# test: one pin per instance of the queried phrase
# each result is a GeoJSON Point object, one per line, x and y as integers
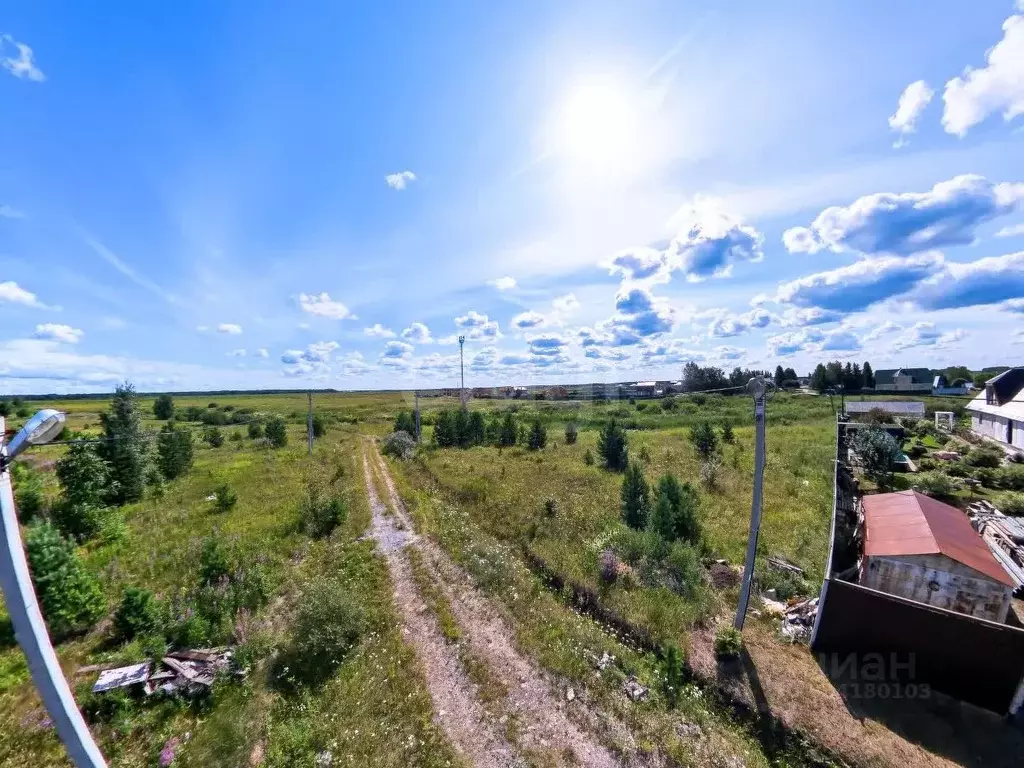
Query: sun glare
{"type": "Point", "coordinates": [597, 128]}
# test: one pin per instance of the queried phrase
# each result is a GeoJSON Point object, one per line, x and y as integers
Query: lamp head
{"type": "Point", "coordinates": [40, 429]}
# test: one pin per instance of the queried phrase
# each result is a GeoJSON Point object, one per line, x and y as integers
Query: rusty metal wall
{"type": "Point", "coordinates": [971, 659]}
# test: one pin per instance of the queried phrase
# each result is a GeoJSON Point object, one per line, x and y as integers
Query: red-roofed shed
{"type": "Point", "coordinates": [924, 550]}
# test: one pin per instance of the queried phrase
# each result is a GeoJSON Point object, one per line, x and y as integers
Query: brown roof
{"type": "Point", "coordinates": [910, 523]}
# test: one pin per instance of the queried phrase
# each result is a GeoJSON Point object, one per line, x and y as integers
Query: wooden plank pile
{"type": "Point", "coordinates": [188, 673]}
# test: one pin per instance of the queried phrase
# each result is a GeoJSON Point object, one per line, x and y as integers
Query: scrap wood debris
{"type": "Point", "coordinates": [189, 672]}
{"type": "Point", "coordinates": [799, 618]}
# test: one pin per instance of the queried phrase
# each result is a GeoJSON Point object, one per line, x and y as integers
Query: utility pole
{"type": "Point", "coordinates": [758, 387]}
{"type": "Point", "coordinates": [309, 422]}
{"type": "Point", "coordinates": [30, 631]}
{"type": "Point", "coordinates": [462, 374]}
{"type": "Point", "coordinates": [417, 415]}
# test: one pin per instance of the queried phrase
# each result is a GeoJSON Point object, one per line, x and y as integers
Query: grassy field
{"type": "Point", "coordinates": [376, 708]}
{"type": "Point", "coordinates": [487, 506]}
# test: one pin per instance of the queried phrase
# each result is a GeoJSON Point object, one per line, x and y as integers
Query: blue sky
{"type": "Point", "coordinates": [248, 195]}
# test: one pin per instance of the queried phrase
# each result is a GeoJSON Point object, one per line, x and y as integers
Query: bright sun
{"type": "Point", "coordinates": [597, 128]}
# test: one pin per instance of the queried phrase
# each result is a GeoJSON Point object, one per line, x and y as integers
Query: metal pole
{"type": "Point", "coordinates": [309, 422]}
{"type": "Point", "coordinates": [462, 374]}
{"type": "Point", "coordinates": [417, 415]}
{"type": "Point", "coordinates": [30, 631]}
{"type": "Point", "coordinates": [758, 388]}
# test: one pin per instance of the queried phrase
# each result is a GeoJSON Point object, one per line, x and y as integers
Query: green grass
{"type": "Point", "coordinates": [375, 708]}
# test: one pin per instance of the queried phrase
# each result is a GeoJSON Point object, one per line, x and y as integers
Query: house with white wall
{"type": "Point", "coordinates": [998, 411]}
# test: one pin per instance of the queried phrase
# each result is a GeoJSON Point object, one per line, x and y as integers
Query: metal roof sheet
{"type": "Point", "coordinates": [889, 406]}
{"type": "Point", "coordinates": [910, 523]}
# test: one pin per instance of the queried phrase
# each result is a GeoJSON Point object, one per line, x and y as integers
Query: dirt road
{"type": "Point", "coordinates": [548, 722]}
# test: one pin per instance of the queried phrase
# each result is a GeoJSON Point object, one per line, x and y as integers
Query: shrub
{"type": "Point", "coordinates": [613, 447]}
{"type": "Point", "coordinates": [926, 464]}
{"type": "Point", "coordinates": [984, 456]}
{"type": "Point", "coordinates": [673, 673]}
{"type": "Point", "coordinates": [213, 437]}
{"type": "Point", "coordinates": [935, 484]}
{"type": "Point", "coordinates": [878, 452]}
{"type": "Point", "coordinates": [786, 584]}
{"type": "Point", "coordinates": [635, 497]}
{"type": "Point", "coordinates": [400, 445]}
{"type": "Point", "coordinates": [255, 430]}
{"type": "Point", "coordinates": [704, 440]}
{"type": "Point", "coordinates": [538, 435]}
{"type": "Point", "coordinates": [1012, 477]}
{"type": "Point", "coordinates": [608, 566]}
{"type": "Point", "coordinates": [328, 626]}
{"type": "Point", "coordinates": [987, 476]}
{"type": "Point", "coordinates": [916, 451]}
{"type": "Point", "coordinates": [709, 471]}
{"type": "Point", "coordinates": [571, 433]}
{"type": "Point", "coordinates": [728, 643]}
{"type": "Point", "coordinates": [641, 407]}
{"type": "Point", "coordinates": [957, 469]}
{"type": "Point", "coordinates": [322, 509]}
{"type": "Point", "coordinates": [28, 492]}
{"type": "Point", "coordinates": [276, 432]}
{"type": "Point", "coordinates": [125, 446]}
{"type": "Point", "coordinates": [550, 508]}
{"type": "Point", "coordinates": [80, 522]}
{"type": "Point", "coordinates": [644, 455]}
{"type": "Point", "coordinates": [682, 566]}
{"type": "Point", "coordinates": [24, 412]}
{"type": "Point", "coordinates": [1010, 503]}
{"type": "Point", "coordinates": [669, 403]}
{"type": "Point", "coordinates": [5, 408]}
{"type": "Point", "coordinates": [727, 433]}
{"type": "Point", "coordinates": [214, 560]}
{"type": "Point", "coordinates": [163, 407]}
{"type": "Point", "coordinates": [224, 498]}
{"type": "Point", "coordinates": [675, 513]}
{"type": "Point", "coordinates": [405, 421]}
{"type": "Point", "coordinates": [174, 450]}
{"type": "Point", "coordinates": [877, 416]}
{"type": "Point", "coordinates": [69, 596]}
{"type": "Point", "coordinates": [83, 476]}
{"type": "Point", "coordinates": [588, 458]}
{"type": "Point", "coordinates": [138, 614]}
{"type": "Point", "coordinates": [319, 425]}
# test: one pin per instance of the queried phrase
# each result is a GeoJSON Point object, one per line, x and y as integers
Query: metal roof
{"type": "Point", "coordinates": [910, 523]}
{"type": "Point", "coordinates": [904, 407]}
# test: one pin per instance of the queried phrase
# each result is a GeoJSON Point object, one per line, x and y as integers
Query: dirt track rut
{"type": "Point", "coordinates": [541, 712]}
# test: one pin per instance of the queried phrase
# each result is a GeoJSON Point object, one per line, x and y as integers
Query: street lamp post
{"type": "Point", "coordinates": [29, 628]}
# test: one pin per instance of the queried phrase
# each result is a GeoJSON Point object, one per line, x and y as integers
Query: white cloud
{"type": "Point", "coordinates": [262, 352]}
{"type": "Point", "coordinates": [379, 331]}
{"type": "Point", "coordinates": [400, 180]}
{"type": "Point", "coordinates": [800, 318]}
{"type": "Point", "coordinates": [912, 102]}
{"type": "Point", "coordinates": [813, 340]}
{"type": "Point", "coordinates": [910, 222]}
{"type": "Point", "coordinates": [564, 306]}
{"type": "Point", "coordinates": [986, 281]}
{"type": "Point", "coordinates": [996, 87]}
{"type": "Point", "coordinates": [397, 350]}
{"type": "Point", "coordinates": [475, 327]}
{"type": "Point", "coordinates": [21, 66]}
{"type": "Point", "coordinates": [711, 241]}
{"type": "Point", "coordinates": [503, 283]}
{"type": "Point", "coordinates": [547, 344]}
{"type": "Point", "coordinates": [417, 333]}
{"type": "Point", "coordinates": [14, 293]}
{"type": "Point", "coordinates": [202, 328]}
{"type": "Point", "coordinates": [1013, 231]}
{"type": "Point", "coordinates": [725, 324]}
{"type": "Point", "coordinates": [925, 334]}
{"type": "Point", "coordinates": [527, 320]}
{"type": "Point", "coordinates": [58, 332]}
{"type": "Point", "coordinates": [9, 212]}
{"type": "Point", "coordinates": [857, 286]}
{"type": "Point", "coordinates": [232, 329]}
{"type": "Point", "coordinates": [669, 352]}
{"type": "Point", "coordinates": [322, 305]}
{"type": "Point", "coordinates": [728, 353]}
{"type": "Point", "coordinates": [236, 353]}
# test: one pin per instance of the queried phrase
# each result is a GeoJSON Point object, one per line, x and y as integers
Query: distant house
{"type": "Point", "coordinates": [909, 408]}
{"type": "Point", "coordinates": [644, 389]}
{"type": "Point", "coordinates": [998, 412]}
{"type": "Point", "coordinates": [942, 386]}
{"type": "Point", "coordinates": [557, 393]}
{"type": "Point", "coordinates": [904, 380]}
{"type": "Point", "coordinates": [921, 549]}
